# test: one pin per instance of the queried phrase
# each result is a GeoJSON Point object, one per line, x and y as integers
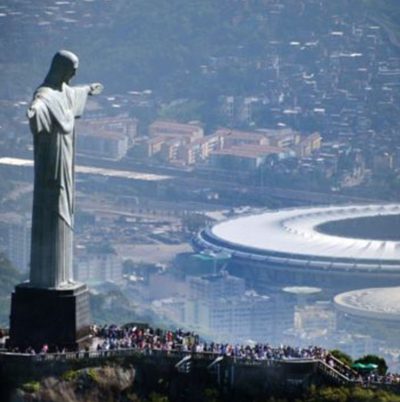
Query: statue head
{"type": "Point", "coordinates": [62, 69]}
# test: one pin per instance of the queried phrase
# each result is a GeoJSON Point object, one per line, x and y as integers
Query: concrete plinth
{"type": "Point", "coordinates": [56, 317]}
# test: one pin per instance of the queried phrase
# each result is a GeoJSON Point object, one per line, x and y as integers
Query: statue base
{"type": "Point", "coordinates": [59, 318]}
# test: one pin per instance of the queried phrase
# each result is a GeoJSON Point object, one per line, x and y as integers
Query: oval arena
{"type": "Point", "coordinates": [335, 248]}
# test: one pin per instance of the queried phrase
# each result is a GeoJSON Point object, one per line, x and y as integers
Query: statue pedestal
{"type": "Point", "coordinates": [56, 317]}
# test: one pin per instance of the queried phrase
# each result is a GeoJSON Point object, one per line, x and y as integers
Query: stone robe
{"type": "Point", "coordinates": [52, 116]}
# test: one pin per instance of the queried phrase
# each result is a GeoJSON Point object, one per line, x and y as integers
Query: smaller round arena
{"type": "Point", "coordinates": [373, 303]}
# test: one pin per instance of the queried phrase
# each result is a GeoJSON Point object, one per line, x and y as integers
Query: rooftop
{"type": "Point", "coordinates": [302, 290]}
{"type": "Point", "coordinates": [168, 126]}
{"type": "Point", "coordinates": [292, 233]}
{"type": "Point", "coordinates": [377, 303]}
{"type": "Point", "coordinates": [245, 151]}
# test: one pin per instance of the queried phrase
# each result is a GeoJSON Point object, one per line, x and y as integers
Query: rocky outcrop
{"type": "Point", "coordinates": [95, 384]}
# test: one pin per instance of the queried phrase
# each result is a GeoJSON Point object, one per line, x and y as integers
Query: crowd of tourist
{"type": "Point", "coordinates": [374, 378]}
{"type": "Point", "coordinates": [112, 337]}
{"type": "Point", "coordinates": [149, 340]}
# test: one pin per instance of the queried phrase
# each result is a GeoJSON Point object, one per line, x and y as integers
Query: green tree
{"type": "Point", "coordinates": [331, 394]}
{"type": "Point", "coordinates": [373, 359]}
{"type": "Point", "coordinates": [211, 395]}
{"type": "Point", "coordinates": [343, 357]}
{"type": "Point", "coordinates": [112, 307]}
{"type": "Point", "coordinates": [193, 222]}
{"type": "Point", "coordinates": [183, 110]}
{"type": "Point", "coordinates": [346, 394]}
{"type": "Point", "coordinates": [155, 397]}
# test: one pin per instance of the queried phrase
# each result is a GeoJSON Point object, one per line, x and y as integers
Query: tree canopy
{"type": "Point", "coordinates": [373, 359]}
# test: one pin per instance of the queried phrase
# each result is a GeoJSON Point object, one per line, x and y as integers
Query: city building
{"type": "Point", "coordinates": [106, 137]}
{"type": "Point", "coordinates": [170, 129]}
{"type": "Point", "coordinates": [236, 138]}
{"type": "Point", "coordinates": [212, 287]}
{"type": "Point", "coordinates": [219, 304]}
{"type": "Point", "coordinates": [308, 144]}
{"type": "Point", "coordinates": [169, 149]}
{"type": "Point", "coordinates": [97, 264]}
{"type": "Point", "coordinates": [104, 144]}
{"type": "Point", "coordinates": [211, 143]}
{"type": "Point", "coordinates": [237, 319]}
{"type": "Point", "coordinates": [283, 138]}
{"type": "Point", "coordinates": [314, 320]}
{"type": "Point", "coordinates": [118, 124]}
{"type": "Point", "coordinates": [245, 157]}
{"type": "Point", "coordinates": [148, 147]}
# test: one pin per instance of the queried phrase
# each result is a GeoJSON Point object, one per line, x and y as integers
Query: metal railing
{"type": "Point", "coordinates": [170, 354]}
{"type": "Point", "coordinates": [340, 373]}
{"type": "Point", "coordinates": [334, 374]}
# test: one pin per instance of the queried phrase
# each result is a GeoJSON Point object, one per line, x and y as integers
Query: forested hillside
{"type": "Point", "coordinates": [166, 46]}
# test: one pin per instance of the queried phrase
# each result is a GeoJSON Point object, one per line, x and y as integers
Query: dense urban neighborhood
{"type": "Point", "coordinates": [208, 114]}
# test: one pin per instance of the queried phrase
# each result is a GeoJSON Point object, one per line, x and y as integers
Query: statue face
{"type": "Point", "coordinates": [70, 74]}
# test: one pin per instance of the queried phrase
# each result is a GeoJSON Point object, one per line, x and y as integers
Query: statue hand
{"type": "Point", "coordinates": [95, 88]}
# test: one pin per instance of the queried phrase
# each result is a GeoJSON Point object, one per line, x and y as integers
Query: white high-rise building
{"type": "Point", "coordinates": [96, 265]}
{"type": "Point", "coordinates": [220, 306]}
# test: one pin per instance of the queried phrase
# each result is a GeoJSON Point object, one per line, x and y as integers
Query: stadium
{"type": "Point", "coordinates": [336, 248]}
{"type": "Point", "coordinates": [381, 304]}
{"type": "Point", "coordinates": [373, 311]}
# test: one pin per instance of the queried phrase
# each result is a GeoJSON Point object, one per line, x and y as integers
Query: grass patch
{"type": "Point", "coordinates": [31, 387]}
{"type": "Point", "coordinates": [70, 375]}
{"type": "Point", "coordinates": [93, 375]}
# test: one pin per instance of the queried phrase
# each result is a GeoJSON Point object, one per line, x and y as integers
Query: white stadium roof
{"type": "Point", "coordinates": [292, 234]}
{"type": "Point", "coordinates": [378, 303]}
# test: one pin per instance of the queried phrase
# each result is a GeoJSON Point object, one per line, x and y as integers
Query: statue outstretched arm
{"type": "Point", "coordinates": [96, 88]}
{"type": "Point", "coordinates": [80, 94]}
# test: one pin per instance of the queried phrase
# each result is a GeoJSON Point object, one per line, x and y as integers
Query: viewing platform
{"type": "Point", "coordinates": [228, 371]}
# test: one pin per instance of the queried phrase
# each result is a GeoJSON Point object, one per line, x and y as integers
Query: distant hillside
{"type": "Point", "coordinates": [163, 45]}
{"type": "Point", "coordinates": [387, 14]}
{"type": "Point", "coordinates": [248, 64]}
{"type": "Point", "coordinates": [9, 277]}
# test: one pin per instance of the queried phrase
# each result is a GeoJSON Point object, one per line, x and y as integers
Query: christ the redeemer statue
{"type": "Point", "coordinates": [52, 114]}
{"type": "Point", "coordinates": [51, 308]}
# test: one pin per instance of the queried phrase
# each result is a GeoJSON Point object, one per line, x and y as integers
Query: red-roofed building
{"type": "Point", "coordinates": [235, 137]}
{"type": "Point", "coordinates": [105, 144]}
{"type": "Point", "coordinates": [244, 157]}
{"type": "Point", "coordinates": [172, 129]}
